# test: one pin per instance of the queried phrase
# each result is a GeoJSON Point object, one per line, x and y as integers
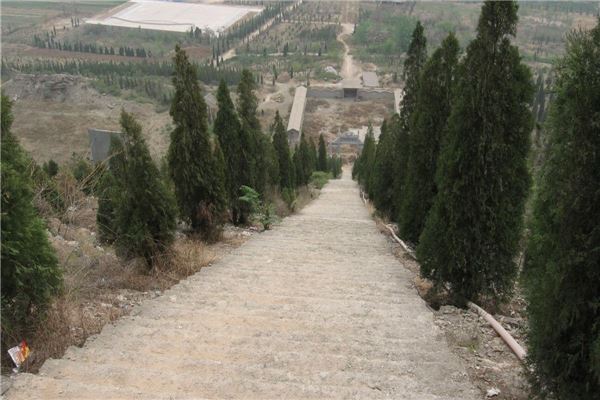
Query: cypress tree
{"type": "Point", "coordinates": [415, 59]}
{"type": "Point", "coordinates": [250, 130]}
{"type": "Point", "coordinates": [366, 160]}
{"type": "Point", "coordinates": [108, 191]}
{"type": "Point", "coordinates": [298, 170]}
{"type": "Point", "coordinates": [322, 154]}
{"type": "Point", "coordinates": [314, 157]}
{"type": "Point", "coordinates": [471, 235]}
{"type": "Point", "coordinates": [145, 210]}
{"type": "Point", "coordinates": [237, 164]}
{"type": "Point", "coordinates": [306, 160]}
{"type": "Point", "coordinates": [427, 125]}
{"type": "Point", "coordinates": [280, 143]}
{"type": "Point", "coordinates": [30, 271]}
{"type": "Point", "coordinates": [562, 257]}
{"type": "Point", "coordinates": [383, 167]}
{"type": "Point", "coordinates": [200, 193]}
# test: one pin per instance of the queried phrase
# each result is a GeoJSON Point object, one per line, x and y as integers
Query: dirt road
{"type": "Point", "coordinates": [350, 69]}
{"type": "Point", "coordinates": [316, 308]}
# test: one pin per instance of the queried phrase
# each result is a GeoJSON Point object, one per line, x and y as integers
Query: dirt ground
{"type": "Point", "coordinates": [491, 365]}
{"type": "Point", "coordinates": [53, 113]}
{"type": "Point", "coordinates": [332, 117]}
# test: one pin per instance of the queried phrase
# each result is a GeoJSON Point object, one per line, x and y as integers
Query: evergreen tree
{"type": "Point", "coordinates": [51, 168]}
{"type": "Point", "coordinates": [298, 170]}
{"type": "Point", "coordinates": [322, 154]}
{"type": "Point", "coordinates": [307, 160]}
{"type": "Point", "coordinates": [383, 167]}
{"type": "Point", "coordinates": [108, 191]}
{"type": "Point", "coordinates": [228, 130]}
{"type": "Point", "coordinates": [251, 132]}
{"type": "Point", "coordinates": [415, 59]}
{"type": "Point", "coordinates": [280, 143]}
{"type": "Point", "coordinates": [472, 232]}
{"type": "Point", "coordinates": [427, 125]}
{"type": "Point", "coordinates": [200, 193]}
{"type": "Point", "coordinates": [314, 158]}
{"type": "Point", "coordinates": [562, 258]}
{"type": "Point", "coordinates": [366, 160]}
{"type": "Point", "coordinates": [145, 210]}
{"type": "Point", "coordinates": [30, 271]}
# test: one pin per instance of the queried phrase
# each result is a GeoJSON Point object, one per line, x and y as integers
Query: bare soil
{"type": "Point", "coordinates": [490, 363]}
{"type": "Point", "coordinates": [331, 117]}
{"type": "Point", "coordinates": [53, 113]}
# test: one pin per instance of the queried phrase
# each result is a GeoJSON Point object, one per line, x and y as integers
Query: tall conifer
{"type": "Point", "coordinates": [238, 164]}
{"type": "Point", "coordinates": [562, 263]}
{"type": "Point", "coordinates": [383, 167]}
{"type": "Point", "coordinates": [250, 130]}
{"type": "Point", "coordinates": [145, 211]}
{"type": "Point", "coordinates": [280, 143]}
{"type": "Point", "coordinates": [200, 193]}
{"type": "Point", "coordinates": [322, 154]}
{"type": "Point", "coordinates": [415, 59]}
{"type": "Point", "coordinates": [471, 235]}
{"type": "Point", "coordinates": [427, 125]}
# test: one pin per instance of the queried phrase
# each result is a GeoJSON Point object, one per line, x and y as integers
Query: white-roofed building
{"type": "Point", "coordinates": [294, 129]}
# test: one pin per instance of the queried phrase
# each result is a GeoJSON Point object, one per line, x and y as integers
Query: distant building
{"type": "Point", "coordinates": [294, 129]}
{"type": "Point", "coordinates": [352, 140]}
{"type": "Point", "coordinates": [348, 141]}
{"type": "Point", "coordinates": [370, 79]}
{"type": "Point", "coordinates": [350, 88]}
{"type": "Point", "coordinates": [100, 141]}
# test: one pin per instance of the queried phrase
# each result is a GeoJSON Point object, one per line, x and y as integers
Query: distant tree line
{"type": "Point", "coordinates": [79, 47]}
{"type": "Point", "coordinates": [206, 73]}
{"type": "Point", "coordinates": [452, 171]}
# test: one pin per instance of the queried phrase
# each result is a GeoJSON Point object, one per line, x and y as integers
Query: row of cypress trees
{"type": "Point", "coordinates": [205, 171]}
{"type": "Point", "coordinates": [451, 169]}
{"type": "Point", "coordinates": [139, 203]}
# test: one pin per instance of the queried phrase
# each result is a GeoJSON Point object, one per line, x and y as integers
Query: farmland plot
{"type": "Point", "coordinates": [176, 17]}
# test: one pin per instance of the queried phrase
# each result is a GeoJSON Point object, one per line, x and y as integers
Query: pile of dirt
{"type": "Point", "coordinates": [57, 87]}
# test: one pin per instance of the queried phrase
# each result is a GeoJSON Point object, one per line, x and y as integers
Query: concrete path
{"type": "Point", "coordinates": [316, 308]}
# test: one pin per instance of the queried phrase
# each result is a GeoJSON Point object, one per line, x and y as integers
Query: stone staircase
{"type": "Point", "coordinates": [316, 308]}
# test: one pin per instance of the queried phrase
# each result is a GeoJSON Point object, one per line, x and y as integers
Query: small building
{"type": "Point", "coordinates": [100, 141]}
{"type": "Point", "coordinates": [348, 141]}
{"type": "Point", "coordinates": [370, 79]}
{"type": "Point", "coordinates": [294, 129]}
{"type": "Point", "coordinates": [350, 88]}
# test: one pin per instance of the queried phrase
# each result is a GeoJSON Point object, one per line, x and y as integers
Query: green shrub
{"type": "Point", "coordinates": [263, 213]}
{"type": "Point", "coordinates": [319, 179]}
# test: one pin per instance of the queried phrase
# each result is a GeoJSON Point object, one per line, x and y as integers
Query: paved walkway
{"type": "Point", "coordinates": [316, 308]}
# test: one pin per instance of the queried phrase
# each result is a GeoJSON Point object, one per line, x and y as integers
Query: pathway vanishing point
{"type": "Point", "coordinates": [316, 308]}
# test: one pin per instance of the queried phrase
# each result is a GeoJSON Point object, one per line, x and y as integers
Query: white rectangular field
{"type": "Point", "coordinates": [174, 16]}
